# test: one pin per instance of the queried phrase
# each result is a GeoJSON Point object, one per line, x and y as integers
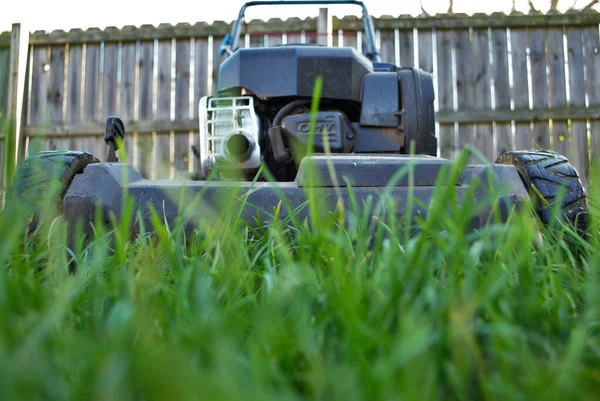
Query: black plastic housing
{"type": "Point", "coordinates": [291, 71]}
{"type": "Point", "coordinates": [340, 133]}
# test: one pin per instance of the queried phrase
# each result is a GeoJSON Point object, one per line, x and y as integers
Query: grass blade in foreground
{"type": "Point", "coordinates": [356, 311]}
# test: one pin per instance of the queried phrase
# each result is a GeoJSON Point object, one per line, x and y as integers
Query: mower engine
{"type": "Point", "coordinates": [260, 113]}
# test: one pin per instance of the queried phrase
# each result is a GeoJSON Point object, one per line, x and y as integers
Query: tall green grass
{"type": "Point", "coordinates": [349, 305]}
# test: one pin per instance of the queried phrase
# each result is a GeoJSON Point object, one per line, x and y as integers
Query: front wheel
{"type": "Point", "coordinates": [42, 180]}
{"type": "Point", "coordinates": [545, 174]}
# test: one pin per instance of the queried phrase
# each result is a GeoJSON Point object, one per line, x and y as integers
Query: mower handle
{"type": "Point", "coordinates": [230, 42]}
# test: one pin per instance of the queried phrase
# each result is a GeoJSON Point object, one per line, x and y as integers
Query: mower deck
{"type": "Point", "coordinates": [368, 175]}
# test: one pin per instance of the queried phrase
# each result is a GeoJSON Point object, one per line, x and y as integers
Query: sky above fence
{"type": "Point", "coordinates": [68, 14]}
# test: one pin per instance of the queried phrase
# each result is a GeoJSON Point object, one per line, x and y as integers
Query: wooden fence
{"type": "Point", "coordinates": [4, 75]}
{"type": "Point", "coordinates": [502, 81]}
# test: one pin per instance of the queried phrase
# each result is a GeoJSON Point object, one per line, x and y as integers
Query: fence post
{"type": "Point", "coordinates": [324, 27]}
{"type": "Point", "coordinates": [12, 114]}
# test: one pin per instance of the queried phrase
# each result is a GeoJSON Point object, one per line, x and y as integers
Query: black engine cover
{"type": "Point", "coordinates": [280, 71]}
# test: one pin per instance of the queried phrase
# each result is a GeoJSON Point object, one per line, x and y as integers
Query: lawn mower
{"type": "Point", "coordinates": [263, 138]}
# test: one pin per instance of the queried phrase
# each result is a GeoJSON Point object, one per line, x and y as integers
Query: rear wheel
{"type": "Point", "coordinates": [545, 174]}
{"type": "Point", "coordinates": [42, 180]}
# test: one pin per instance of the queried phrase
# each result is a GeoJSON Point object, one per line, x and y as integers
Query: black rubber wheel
{"type": "Point", "coordinates": [42, 180]}
{"type": "Point", "coordinates": [544, 173]}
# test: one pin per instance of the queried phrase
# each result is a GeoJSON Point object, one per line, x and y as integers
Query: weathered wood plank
{"type": "Point", "coordinates": [110, 80]}
{"type": "Point", "coordinates": [504, 140]}
{"type": "Point", "coordinates": [579, 139]}
{"type": "Point", "coordinates": [558, 89]}
{"type": "Point", "coordinates": [337, 38]}
{"type": "Point", "coordinates": [464, 85]}
{"type": "Point", "coordinates": [40, 76]}
{"type": "Point", "coordinates": [57, 76]}
{"type": "Point", "coordinates": [425, 51]}
{"type": "Point", "coordinates": [591, 48]}
{"type": "Point", "coordinates": [164, 165]}
{"type": "Point", "coordinates": [56, 94]}
{"type": "Point", "coordinates": [447, 133]}
{"type": "Point", "coordinates": [482, 94]}
{"type": "Point", "coordinates": [387, 48]}
{"type": "Point", "coordinates": [310, 37]}
{"type": "Point", "coordinates": [292, 37]}
{"type": "Point", "coordinates": [145, 145]}
{"type": "Point", "coordinates": [127, 95]}
{"type": "Point", "coordinates": [520, 91]}
{"type": "Point", "coordinates": [200, 84]}
{"type": "Point", "coordinates": [350, 39]}
{"type": "Point", "coordinates": [4, 71]}
{"type": "Point", "coordinates": [145, 65]}
{"type": "Point", "coordinates": [273, 39]}
{"type": "Point", "coordinates": [407, 47]}
{"type": "Point", "coordinates": [127, 81]}
{"type": "Point", "coordinates": [5, 39]}
{"type": "Point", "coordinates": [91, 97]}
{"type": "Point", "coordinates": [217, 61]}
{"type": "Point", "coordinates": [2, 161]}
{"type": "Point", "coordinates": [74, 73]}
{"type": "Point", "coordinates": [536, 39]}
{"type": "Point", "coordinates": [257, 40]}
{"type": "Point", "coordinates": [200, 72]}
{"type": "Point", "coordinates": [182, 102]}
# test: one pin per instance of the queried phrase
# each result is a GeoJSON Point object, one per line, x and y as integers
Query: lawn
{"type": "Point", "coordinates": [321, 310]}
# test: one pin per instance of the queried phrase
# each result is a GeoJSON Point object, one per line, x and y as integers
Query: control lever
{"type": "Point", "coordinates": [113, 136]}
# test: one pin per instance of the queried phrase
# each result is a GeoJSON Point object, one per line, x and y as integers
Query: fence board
{"type": "Point", "coordinates": [591, 45]}
{"type": "Point", "coordinates": [407, 48]}
{"type": "Point", "coordinates": [425, 53]}
{"type": "Point", "coordinates": [350, 39]}
{"type": "Point", "coordinates": [182, 103]}
{"type": "Point", "coordinates": [217, 61]}
{"type": "Point", "coordinates": [56, 93]}
{"type": "Point", "coordinates": [92, 78]}
{"type": "Point", "coordinates": [273, 40]}
{"type": "Point", "coordinates": [163, 111]}
{"type": "Point", "coordinates": [4, 75]}
{"type": "Point", "coordinates": [4, 68]}
{"type": "Point", "coordinates": [256, 41]}
{"type": "Point", "coordinates": [387, 47]}
{"type": "Point", "coordinates": [504, 140]}
{"type": "Point", "coordinates": [145, 143]}
{"type": "Point", "coordinates": [74, 73]}
{"type": "Point", "coordinates": [91, 98]}
{"type": "Point", "coordinates": [109, 80]}
{"type": "Point", "coordinates": [126, 100]}
{"type": "Point", "coordinates": [464, 85]}
{"type": "Point", "coordinates": [291, 38]}
{"type": "Point", "coordinates": [579, 140]}
{"type": "Point", "coordinates": [446, 133]}
{"type": "Point", "coordinates": [2, 161]}
{"type": "Point", "coordinates": [536, 39]}
{"type": "Point", "coordinates": [482, 96]}
{"type": "Point", "coordinates": [520, 91]}
{"type": "Point", "coordinates": [558, 89]}
{"type": "Point", "coordinates": [73, 94]}
{"type": "Point", "coordinates": [200, 82]}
